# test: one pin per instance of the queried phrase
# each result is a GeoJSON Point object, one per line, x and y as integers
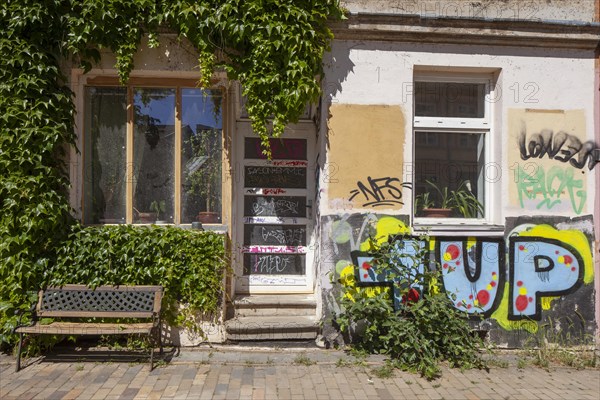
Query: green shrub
{"type": "Point", "coordinates": [426, 330]}
{"type": "Point", "coordinates": [189, 264]}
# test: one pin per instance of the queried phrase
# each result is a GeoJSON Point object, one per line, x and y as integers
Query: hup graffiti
{"type": "Point", "coordinates": [541, 269]}
{"type": "Point", "coordinates": [474, 271]}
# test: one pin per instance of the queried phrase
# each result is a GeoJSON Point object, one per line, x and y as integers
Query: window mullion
{"type": "Point", "coordinates": [129, 158]}
{"type": "Point", "coordinates": [177, 206]}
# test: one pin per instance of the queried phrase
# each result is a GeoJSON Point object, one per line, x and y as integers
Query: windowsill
{"type": "Point", "coordinates": [454, 227]}
{"type": "Point", "coordinates": [219, 228]}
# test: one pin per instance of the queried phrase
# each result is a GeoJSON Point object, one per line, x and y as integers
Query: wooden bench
{"type": "Point", "coordinates": [79, 301]}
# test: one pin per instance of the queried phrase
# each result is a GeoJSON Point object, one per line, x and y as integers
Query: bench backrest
{"type": "Point", "coordinates": [101, 302]}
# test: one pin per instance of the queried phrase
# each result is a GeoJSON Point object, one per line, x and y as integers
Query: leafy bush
{"type": "Point", "coordinates": [189, 264]}
{"type": "Point", "coordinates": [425, 330]}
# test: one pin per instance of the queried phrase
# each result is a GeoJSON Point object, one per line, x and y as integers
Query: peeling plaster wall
{"type": "Point", "coordinates": [544, 101]}
{"type": "Point", "coordinates": [364, 144]}
{"type": "Point", "coordinates": [553, 10]}
{"type": "Point", "coordinates": [550, 158]}
{"type": "Point", "coordinates": [554, 88]}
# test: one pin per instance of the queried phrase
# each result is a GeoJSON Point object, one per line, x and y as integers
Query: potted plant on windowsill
{"type": "Point", "coordinates": [459, 201]}
{"type": "Point", "coordinates": [204, 174]}
{"type": "Point", "coordinates": [158, 208]}
{"type": "Point", "coordinates": [145, 217]}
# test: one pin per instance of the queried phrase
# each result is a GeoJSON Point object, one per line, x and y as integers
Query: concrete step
{"type": "Point", "coordinates": [274, 305]}
{"type": "Point", "coordinates": [272, 328]}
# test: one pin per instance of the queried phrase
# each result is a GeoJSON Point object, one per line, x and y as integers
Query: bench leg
{"type": "Point", "coordinates": [18, 366]}
{"type": "Point", "coordinates": [152, 357]}
{"type": "Point", "coordinates": [160, 343]}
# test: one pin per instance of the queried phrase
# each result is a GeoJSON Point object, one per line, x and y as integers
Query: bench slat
{"type": "Point", "coordinates": [94, 314]}
{"type": "Point", "coordinates": [122, 288]}
{"type": "Point", "coordinates": [87, 328]}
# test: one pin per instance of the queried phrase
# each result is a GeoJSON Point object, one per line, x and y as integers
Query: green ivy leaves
{"type": "Point", "coordinates": [273, 47]}
{"type": "Point", "coordinates": [189, 264]}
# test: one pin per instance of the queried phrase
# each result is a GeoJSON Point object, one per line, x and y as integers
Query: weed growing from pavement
{"type": "Point", "coordinates": [342, 362]}
{"type": "Point", "coordinates": [360, 356]}
{"type": "Point", "coordinates": [384, 372]}
{"type": "Point", "coordinates": [553, 348]}
{"type": "Point", "coordinates": [498, 363]}
{"type": "Point", "coordinates": [302, 359]}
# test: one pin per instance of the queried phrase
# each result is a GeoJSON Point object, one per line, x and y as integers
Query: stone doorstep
{"type": "Point", "coordinates": [274, 305]}
{"type": "Point", "coordinates": [277, 327]}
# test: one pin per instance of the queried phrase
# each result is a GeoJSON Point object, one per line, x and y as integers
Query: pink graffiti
{"type": "Point", "coordinates": [274, 191]}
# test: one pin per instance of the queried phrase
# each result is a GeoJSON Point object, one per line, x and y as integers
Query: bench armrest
{"type": "Point", "coordinates": [20, 313]}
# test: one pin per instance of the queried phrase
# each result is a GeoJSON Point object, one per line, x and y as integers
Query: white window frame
{"type": "Point", "coordinates": [456, 125]}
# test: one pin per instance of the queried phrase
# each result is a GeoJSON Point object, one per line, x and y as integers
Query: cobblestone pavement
{"type": "Point", "coordinates": [237, 373]}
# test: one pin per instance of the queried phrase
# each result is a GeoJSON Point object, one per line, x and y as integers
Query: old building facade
{"type": "Point", "coordinates": [496, 100]}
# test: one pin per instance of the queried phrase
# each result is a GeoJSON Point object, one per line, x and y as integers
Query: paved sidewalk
{"type": "Point", "coordinates": [232, 372]}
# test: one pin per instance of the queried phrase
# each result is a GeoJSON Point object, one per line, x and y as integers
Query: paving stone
{"type": "Point", "coordinates": [283, 379]}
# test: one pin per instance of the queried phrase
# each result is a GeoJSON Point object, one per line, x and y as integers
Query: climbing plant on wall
{"type": "Point", "coordinates": [274, 48]}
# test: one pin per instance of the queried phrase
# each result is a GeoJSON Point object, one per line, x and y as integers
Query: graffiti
{"type": "Point", "coordinates": [275, 206]}
{"type": "Point", "coordinates": [284, 236]}
{"type": "Point", "coordinates": [269, 220]}
{"type": "Point", "coordinates": [274, 264]}
{"type": "Point", "coordinates": [473, 272]}
{"type": "Point", "coordinates": [296, 163]}
{"type": "Point", "coordinates": [380, 192]}
{"type": "Point", "coordinates": [275, 177]}
{"type": "Point", "coordinates": [274, 191]}
{"type": "Point", "coordinates": [542, 269]}
{"type": "Point", "coordinates": [559, 146]}
{"type": "Point", "coordinates": [274, 249]}
{"type": "Point", "coordinates": [405, 252]}
{"type": "Point", "coordinates": [534, 183]}
{"type": "Point", "coordinates": [275, 280]}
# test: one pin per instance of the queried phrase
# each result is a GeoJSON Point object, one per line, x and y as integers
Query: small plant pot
{"type": "Point", "coordinates": [208, 217]}
{"type": "Point", "coordinates": [437, 212]}
{"type": "Point", "coordinates": [146, 217]}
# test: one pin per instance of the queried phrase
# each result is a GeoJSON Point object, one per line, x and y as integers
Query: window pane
{"type": "Point", "coordinates": [153, 155]}
{"type": "Point", "coordinates": [449, 99]}
{"type": "Point", "coordinates": [201, 155]}
{"type": "Point", "coordinates": [104, 155]}
{"type": "Point", "coordinates": [453, 162]}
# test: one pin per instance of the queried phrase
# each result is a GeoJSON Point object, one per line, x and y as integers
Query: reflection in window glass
{"type": "Point", "coordinates": [153, 155]}
{"type": "Point", "coordinates": [201, 156]}
{"type": "Point", "coordinates": [450, 99]}
{"type": "Point", "coordinates": [455, 164]}
{"type": "Point", "coordinates": [104, 155]}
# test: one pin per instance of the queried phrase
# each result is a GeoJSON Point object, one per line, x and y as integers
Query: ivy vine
{"type": "Point", "coordinates": [273, 47]}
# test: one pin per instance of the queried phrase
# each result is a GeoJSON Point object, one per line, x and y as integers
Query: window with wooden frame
{"type": "Point", "coordinates": [451, 145]}
{"type": "Point", "coordinates": [152, 153]}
